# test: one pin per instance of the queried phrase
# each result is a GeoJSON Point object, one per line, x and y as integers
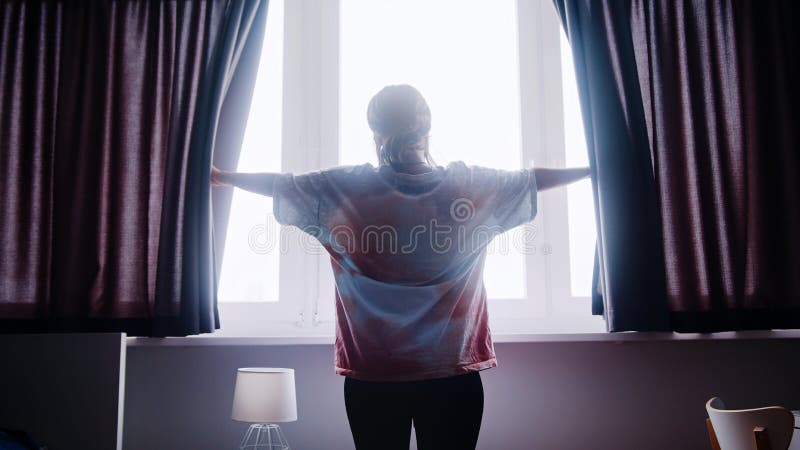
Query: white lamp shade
{"type": "Point", "coordinates": [264, 395]}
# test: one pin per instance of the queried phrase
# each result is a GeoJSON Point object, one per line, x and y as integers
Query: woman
{"type": "Point", "coordinates": [407, 242]}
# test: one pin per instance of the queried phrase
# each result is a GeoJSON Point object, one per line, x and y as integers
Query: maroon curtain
{"type": "Point", "coordinates": [109, 117]}
{"type": "Point", "coordinates": [712, 84]}
{"type": "Point", "coordinates": [725, 144]}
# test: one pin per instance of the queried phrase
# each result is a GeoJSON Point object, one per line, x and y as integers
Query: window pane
{"type": "Point", "coordinates": [582, 232]}
{"type": "Point", "coordinates": [463, 57]}
{"type": "Point", "coordinates": [250, 264]}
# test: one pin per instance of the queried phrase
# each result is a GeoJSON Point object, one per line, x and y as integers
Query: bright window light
{"type": "Point", "coordinates": [250, 264]}
{"type": "Point", "coordinates": [463, 57]}
{"type": "Point", "coordinates": [580, 205]}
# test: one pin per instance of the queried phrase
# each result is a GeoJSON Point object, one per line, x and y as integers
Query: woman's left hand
{"type": "Point", "coordinates": [217, 177]}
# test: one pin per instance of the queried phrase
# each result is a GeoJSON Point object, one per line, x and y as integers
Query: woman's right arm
{"type": "Point", "coordinates": [260, 183]}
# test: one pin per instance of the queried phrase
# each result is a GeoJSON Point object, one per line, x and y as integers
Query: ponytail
{"type": "Point", "coordinates": [396, 144]}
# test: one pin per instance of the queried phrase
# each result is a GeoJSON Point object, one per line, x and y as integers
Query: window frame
{"type": "Point", "coordinates": [545, 95]}
{"type": "Point", "coordinates": [310, 140]}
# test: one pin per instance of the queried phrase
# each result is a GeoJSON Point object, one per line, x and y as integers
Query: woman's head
{"type": "Point", "coordinates": [400, 121]}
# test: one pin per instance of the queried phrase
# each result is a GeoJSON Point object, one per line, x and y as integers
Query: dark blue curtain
{"type": "Point", "coordinates": [110, 116]}
{"type": "Point", "coordinates": [630, 256]}
{"type": "Point", "coordinates": [690, 111]}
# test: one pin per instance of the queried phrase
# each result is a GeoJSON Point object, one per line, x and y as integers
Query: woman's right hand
{"type": "Point", "coordinates": [217, 177]}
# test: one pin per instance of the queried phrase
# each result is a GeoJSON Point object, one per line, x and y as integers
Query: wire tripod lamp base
{"type": "Point", "coordinates": [264, 436]}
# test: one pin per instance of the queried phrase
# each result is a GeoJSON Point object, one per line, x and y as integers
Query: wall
{"type": "Point", "coordinates": [548, 395]}
{"type": "Point", "coordinates": [65, 390]}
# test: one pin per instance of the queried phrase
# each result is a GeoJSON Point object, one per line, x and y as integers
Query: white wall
{"type": "Point", "coordinates": [583, 395]}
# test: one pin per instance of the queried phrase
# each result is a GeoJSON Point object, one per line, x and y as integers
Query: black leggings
{"type": "Point", "coordinates": [446, 412]}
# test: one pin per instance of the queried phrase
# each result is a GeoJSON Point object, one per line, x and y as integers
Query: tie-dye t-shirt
{"type": "Point", "coordinates": [408, 253]}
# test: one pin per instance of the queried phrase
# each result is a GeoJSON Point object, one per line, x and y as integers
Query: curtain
{"type": "Point", "coordinates": [630, 256]}
{"type": "Point", "coordinates": [693, 104]}
{"type": "Point", "coordinates": [109, 118]}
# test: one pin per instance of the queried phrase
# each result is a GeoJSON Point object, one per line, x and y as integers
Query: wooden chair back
{"type": "Point", "coordinates": [768, 428]}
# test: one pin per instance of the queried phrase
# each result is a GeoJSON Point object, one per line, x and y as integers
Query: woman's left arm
{"type": "Point", "coordinates": [550, 178]}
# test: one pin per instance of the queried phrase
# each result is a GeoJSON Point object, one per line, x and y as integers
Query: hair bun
{"type": "Point", "coordinates": [400, 116]}
{"type": "Point", "coordinates": [398, 109]}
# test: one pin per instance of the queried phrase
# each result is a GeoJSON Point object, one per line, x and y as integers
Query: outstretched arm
{"type": "Point", "coordinates": [260, 183]}
{"type": "Point", "coordinates": [550, 178]}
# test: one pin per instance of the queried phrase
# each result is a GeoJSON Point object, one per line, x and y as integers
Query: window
{"type": "Point", "coordinates": [476, 90]}
{"type": "Point", "coordinates": [504, 73]}
{"type": "Point", "coordinates": [250, 267]}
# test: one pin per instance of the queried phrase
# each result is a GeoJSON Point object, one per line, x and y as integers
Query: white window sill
{"type": "Point", "coordinates": [229, 340]}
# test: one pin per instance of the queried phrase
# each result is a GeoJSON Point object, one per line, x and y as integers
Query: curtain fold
{"type": "Point", "coordinates": [107, 142]}
{"type": "Point", "coordinates": [706, 91]}
{"type": "Point", "coordinates": [630, 258]}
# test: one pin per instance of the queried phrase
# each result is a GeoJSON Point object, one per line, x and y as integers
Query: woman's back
{"type": "Point", "coordinates": [407, 253]}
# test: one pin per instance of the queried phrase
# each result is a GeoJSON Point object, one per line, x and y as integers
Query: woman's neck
{"type": "Point", "coordinates": [413, 162]}
{"type": "Point", "coordinates": [412, 167]}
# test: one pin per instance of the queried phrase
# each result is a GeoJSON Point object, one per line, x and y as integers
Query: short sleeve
{"type": "Point", "coordinates": [512, 195]}
{"type": "Point", "coordinates": [296, 200]}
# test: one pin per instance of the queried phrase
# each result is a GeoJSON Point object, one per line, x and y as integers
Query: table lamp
{"type": "Point", "coordinates": [262, 397]}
